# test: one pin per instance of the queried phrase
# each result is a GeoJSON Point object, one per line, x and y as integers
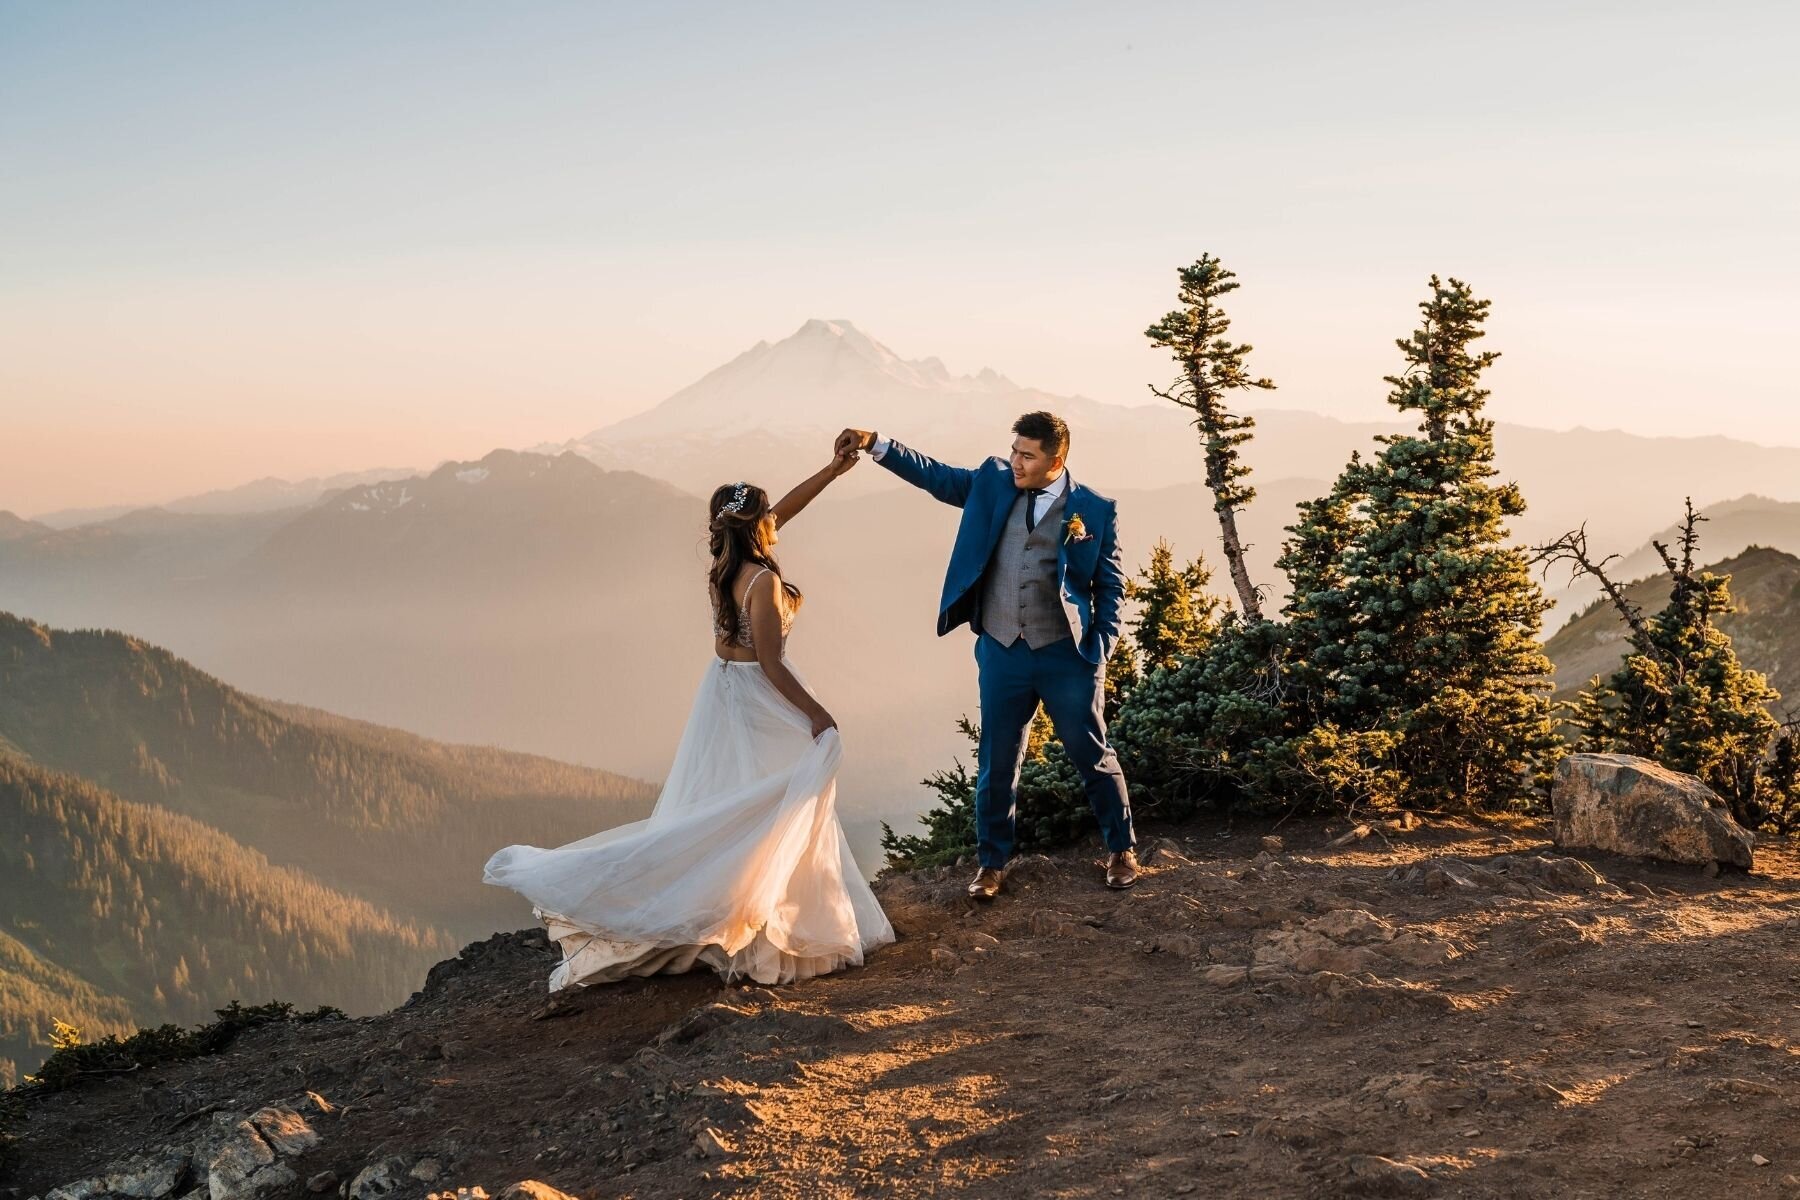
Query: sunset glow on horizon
{"type": "Point", "coordinates": [297, 240]}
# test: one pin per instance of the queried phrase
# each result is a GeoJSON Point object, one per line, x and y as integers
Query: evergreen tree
{"type": "Point", "coordinates": [1593, 719]}
{"type": "Point", "coordinates": [1209, 730]}
{"type": "Point", "coordinates": [1211, 369]}
{"type": "Point", "coordinates": [1123, 671]}
{"type": "Point", "coordinates": [1175, 617]}
{"type": "Point", "coordinates": [1052, 808]}
{"type": "Point", "coordinates": [1415, 625]}
{"type": "Point", "coordinates": [1318, 609]}
{"type": "Point", "coordinates": [1781, 781]}
{"type": "Point", "coordinates": [1684, 698]}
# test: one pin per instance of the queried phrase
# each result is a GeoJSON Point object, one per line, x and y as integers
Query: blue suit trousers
{"type": "Point", "coordinates": [1013, 680]}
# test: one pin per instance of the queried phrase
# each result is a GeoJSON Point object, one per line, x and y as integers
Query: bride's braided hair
{"type": "Point", "coordinates": [735, 538]}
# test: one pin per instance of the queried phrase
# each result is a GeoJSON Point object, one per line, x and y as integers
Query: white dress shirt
{"type": "Point", "coordinates": [1045, 498]}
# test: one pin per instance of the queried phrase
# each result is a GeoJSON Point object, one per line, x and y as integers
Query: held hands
{"type": "Point", "coordinates": [841, 462]}
{"type": "Point", "coordinates": [852, 440]}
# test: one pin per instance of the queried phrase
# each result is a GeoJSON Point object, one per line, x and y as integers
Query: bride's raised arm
{"type": "Point", "coordinates": [789, 506]}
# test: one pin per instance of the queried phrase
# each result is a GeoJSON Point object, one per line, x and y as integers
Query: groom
{"type": "Point", "coordinates": [1035, 572]}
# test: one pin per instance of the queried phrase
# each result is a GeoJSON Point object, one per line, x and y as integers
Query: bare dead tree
{"type": "Point", "coordinates": [1572, 548]}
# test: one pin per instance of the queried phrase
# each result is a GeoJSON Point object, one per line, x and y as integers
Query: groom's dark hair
{"type": "Point", "coordinates": [1049, 429]}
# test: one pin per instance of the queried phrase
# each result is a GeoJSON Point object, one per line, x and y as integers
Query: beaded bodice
{"type": "Point", "coordinates": [743, 637]}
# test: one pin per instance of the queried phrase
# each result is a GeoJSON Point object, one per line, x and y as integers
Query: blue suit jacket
{"type": "Point", "coordinates": [1093, 582]}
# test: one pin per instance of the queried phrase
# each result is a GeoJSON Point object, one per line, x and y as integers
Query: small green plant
{"type": "Point", "coordinates": [72, 1059]}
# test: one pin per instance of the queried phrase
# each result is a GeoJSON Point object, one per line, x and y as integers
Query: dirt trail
{"type": "Point", "coordinates": [1452, 1014]}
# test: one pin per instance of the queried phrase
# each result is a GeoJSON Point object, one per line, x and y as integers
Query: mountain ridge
{"type": "Point", "coordinates": [159, 912]}
{"type": "Point", "coordinates": [342, 803]}
{"type": "Point", "coordinates": [256, 495]}
{"type": "Point", "coordinates": [841, 338]}
{"type": "Point", "coordinates": [148, 805]}
{"type": "Point", "coordinates": [1764, 627]}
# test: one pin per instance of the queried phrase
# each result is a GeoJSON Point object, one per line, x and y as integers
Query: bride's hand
{"type": "Point", "coordinates": [843, 462]}
{"type": "Point", "coordinates": [822, 721]}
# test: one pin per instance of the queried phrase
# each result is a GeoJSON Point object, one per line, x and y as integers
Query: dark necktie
{"type": "Point", "coordinates": [1031, 499]}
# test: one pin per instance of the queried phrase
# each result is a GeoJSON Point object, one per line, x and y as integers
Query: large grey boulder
{"type": "Point", "coordinates": [248, 1164]}
{"type": "Point", "coordinates": [150, 1176]}
{"type": "Point", "coordinates": [236, 1157]}
{"type": "Point", "coordinates": [380, 1178]}
{"type": "Point", "coordinates": [1628, 805]}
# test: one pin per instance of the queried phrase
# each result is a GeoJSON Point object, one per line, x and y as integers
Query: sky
{"type": "Point", "coordinates": [292, 239]}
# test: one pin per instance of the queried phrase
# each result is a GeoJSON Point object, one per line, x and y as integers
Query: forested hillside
{"type": "Point", "coordinates": [123, 913]}
{"type": "Point", "coordinates": [174, 844]}
{"type": "Point", "coordinates": [397, 819]}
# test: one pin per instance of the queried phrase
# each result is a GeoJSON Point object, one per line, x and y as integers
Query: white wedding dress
{"type": "Point", "coordinates": [741, 866]}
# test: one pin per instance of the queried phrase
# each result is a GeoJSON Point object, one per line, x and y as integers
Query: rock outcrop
{"type": "Point", "coordinates": [232, 1157]}
{"type": "Point", "coordinates": [1627, 805]}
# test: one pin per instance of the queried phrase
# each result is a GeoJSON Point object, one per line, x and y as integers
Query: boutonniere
{"type": "Point", "coordinates": [1074, 530]}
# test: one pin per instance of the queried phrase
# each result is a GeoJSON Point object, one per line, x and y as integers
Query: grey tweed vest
{"type": "Point", "coordinates": [1020, 592]}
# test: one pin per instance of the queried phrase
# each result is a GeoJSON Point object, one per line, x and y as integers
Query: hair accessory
{"type": "Point", "coordinates": [736, 503]}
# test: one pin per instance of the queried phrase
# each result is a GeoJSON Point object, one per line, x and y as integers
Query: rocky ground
{"type": "Point", "coordinates": [1449, 1011]}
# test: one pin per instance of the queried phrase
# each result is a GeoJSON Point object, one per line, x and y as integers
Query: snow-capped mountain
{"type": "Point", "coordinates": [811, 381]}
{"type": "Point", "coordinates": [771, 411]}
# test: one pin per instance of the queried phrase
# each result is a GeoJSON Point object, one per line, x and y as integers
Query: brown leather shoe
{"type": "Point", "coordinates": [1122, 870]}
{"type": "Point", "coordinates": [987, 883]}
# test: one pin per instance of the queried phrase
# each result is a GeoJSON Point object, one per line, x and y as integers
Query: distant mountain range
{"type": "Point", "coordinates": [259, 495]}
{"type": "Point", "coordinates": [1728, 528]}
{"type": "Point", "coordinates": [173, 842]}
{"type": "Point", "coordinates": [765, 412]}
{"type": "Point", "coordinates": [514, 515]}
{"type": "Point", "coordinates": [537, 602]}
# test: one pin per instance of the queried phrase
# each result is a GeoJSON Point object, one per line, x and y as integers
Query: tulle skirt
{"type": "Point", "coordinates": [742, 865]}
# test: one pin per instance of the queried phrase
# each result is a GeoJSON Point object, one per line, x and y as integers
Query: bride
{"type": "Point", "coordinates": [741, 865]}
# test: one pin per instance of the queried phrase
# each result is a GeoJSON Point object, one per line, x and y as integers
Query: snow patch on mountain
{"type": "Point", "coordinates": [819, 378]}
{"type": "Point", "coordinates": [379, 497]}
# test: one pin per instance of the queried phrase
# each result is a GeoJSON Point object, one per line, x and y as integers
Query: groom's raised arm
{"type": "Point", "coordinates": [949, 484]}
